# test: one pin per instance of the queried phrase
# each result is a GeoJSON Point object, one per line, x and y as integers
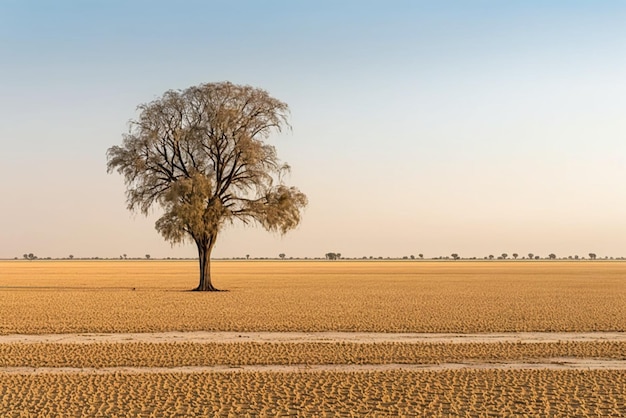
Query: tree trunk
{"type": "Point", "coordinates": [204, 256]}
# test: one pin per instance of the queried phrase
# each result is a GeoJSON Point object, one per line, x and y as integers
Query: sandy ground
{"type": "Point", "coordinates": [312, 296]}
{"type": "Point", "coordinates": [545, 364]}
{"type": "Point", "coordinates": [400, 393]}
{"type": "Point", "coordinates": [315, 337]}
{"type": "Point", "coordinates": [154, 346]}
{"type": "Point", "coordinates": [417, 339]}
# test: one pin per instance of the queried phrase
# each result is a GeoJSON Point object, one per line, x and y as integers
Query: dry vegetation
{"type": "Point", "coordinates": [152, 296]}
{"type": "Point", "coordinates": [97, 296]}
{"type": "Point", "coordinates": [397, 393]}
{"type": "Point", "coordinates": [192, 354]}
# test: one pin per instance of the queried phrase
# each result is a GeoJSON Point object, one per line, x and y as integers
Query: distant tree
{"type": "Point", "coordinates": [420, 255]}
{"type": "Point", "coordinates": [531, 255]}
{"type": "Point", "coordinates": [147, 256]}
{"type": "Point", "coordinates": [515, 255]}
{"type": "Point", "coordinates": [31, 256]}
{"type": "Point", "coordinates": [247, 256]}
{"type": "Point", "coordinates": [504, 255]}
{"type": "Point", "coordinates": [125, 256]}
{"type": "Point", "coordinates": [412, 257]}
{"type": "Point", "coordinates": [537, 257]}
{"type": "Point", "coordinates": [552, 256]}
{"type": "Point", "coordinates": [330, 256]}
{"type": "Point", "coordinates": [201, 154]}
{"type": "Point", "coordinates": [25, 256]}
{"type": "Point", "coordinates": [592, 256]}
{"type": "Point", "coordinates": [282, 256]}
{"type": "Point", "coordinates": [71, 257]}
{"type": "Point", "coordinates": [455, 256]}
{"type": "Point", "coordinates": [576, 257]}
{"type": "Point", "coordinates": [338, 256]}
{"type": "Point", "coordinates": [491, 256]}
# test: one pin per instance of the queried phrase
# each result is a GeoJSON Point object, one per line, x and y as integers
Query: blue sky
{"type": "Point", "coordinates": [474, 127]}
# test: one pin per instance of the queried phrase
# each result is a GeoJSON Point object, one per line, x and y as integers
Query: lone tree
{"type": "Point", "coordinates": [201, 155]}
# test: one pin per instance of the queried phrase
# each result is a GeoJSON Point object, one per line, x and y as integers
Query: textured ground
{"type": "Point", "coordinates": [395, 393]}
{"type": "Point", "coordinates": [194, 354]}
{"type": "Point", "coordinates": [508, 374]}
{"type": "Point", "coordinates": [97, 296]}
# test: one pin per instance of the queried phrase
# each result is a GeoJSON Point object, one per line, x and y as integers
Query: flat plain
{"type": "Point", "coordinates": [112, 297]}
{"type": "Point", "coordinates": [150, 296]}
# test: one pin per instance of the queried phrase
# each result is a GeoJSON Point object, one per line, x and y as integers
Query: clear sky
{"type": "Point", "coordinates": [433, 127]}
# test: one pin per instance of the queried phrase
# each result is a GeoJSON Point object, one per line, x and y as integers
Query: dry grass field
{"type": "Point", "coordinates": [475, 393]}
{"type": "Point", "coordinates": [235, 354]}
{"type": "Point", "coordinates": [98, 296]}
{"type": "Point", "coordinates": [462, 297]}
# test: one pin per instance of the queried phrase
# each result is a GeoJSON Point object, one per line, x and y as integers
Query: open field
{"type": "Point", "coordinates": [395, 393]}
{"type": "Point", "coordinates": [323, 356]}
{"type": "Point", "coordinates": [97, 296]}
{"type": "Point", "coordinates": [239, 354]}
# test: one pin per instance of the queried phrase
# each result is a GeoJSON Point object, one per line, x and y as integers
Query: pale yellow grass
{"type": "Point", "coordinates": [397, 393]}
{"type": "Point", "coordinates": [104, 355]}
{"type": "Point", "coordinates": [98, 296]}
{"type": "Point", "coordinates": [133, 296]}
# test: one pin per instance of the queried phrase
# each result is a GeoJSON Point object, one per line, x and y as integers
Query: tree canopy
{"type": "Point", "coordinates": [201, 155]}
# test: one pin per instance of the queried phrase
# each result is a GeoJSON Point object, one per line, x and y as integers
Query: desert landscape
{"type": "Point", "coordinates": [315, 338]}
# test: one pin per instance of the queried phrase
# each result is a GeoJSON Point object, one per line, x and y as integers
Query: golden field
{"type": "Point", "coordinates": [103, 355]}
{"type": "Point", "coordinates": [98, 296]}
{"type": "Point", "coordinates": [41, 297]}
{"type": "Point", "coordinates": [475, 393]}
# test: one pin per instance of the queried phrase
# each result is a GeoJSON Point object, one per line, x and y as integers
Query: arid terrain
{"type": "Point", "coordinates": [313, 338]}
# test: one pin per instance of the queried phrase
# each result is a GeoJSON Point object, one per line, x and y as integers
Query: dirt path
{"type": "Point", "coordinates": [547, 364]}
{"type": "Point", "coordinates": [312, 337]}
{"type": "Point", "coordinates": [560, 363]}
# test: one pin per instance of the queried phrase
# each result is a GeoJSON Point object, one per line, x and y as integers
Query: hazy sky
{"type": "Point", "coordinates": [475, 127]}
